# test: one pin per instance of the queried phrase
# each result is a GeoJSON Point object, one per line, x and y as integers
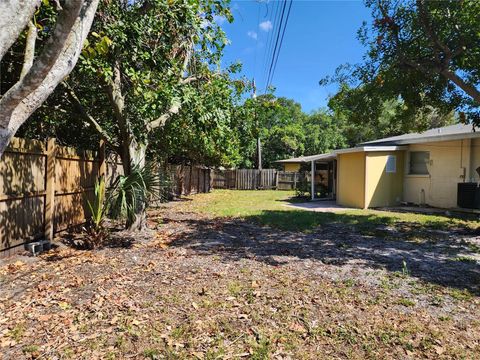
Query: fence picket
{"type": "Point", "coordinates": [253, 179]}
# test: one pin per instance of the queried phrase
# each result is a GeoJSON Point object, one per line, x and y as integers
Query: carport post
{"type": "Point", "coordinates": [312, 180]}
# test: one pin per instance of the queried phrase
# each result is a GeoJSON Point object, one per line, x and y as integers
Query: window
{"type": "Point", "coordinates": [418, 162]}
{"type": "Point", "coordinates": [391, 164]}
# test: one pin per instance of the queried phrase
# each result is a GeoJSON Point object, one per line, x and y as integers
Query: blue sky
{"type": "Point", "coordinates": [320, 36]}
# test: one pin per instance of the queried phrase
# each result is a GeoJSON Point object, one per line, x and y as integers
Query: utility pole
{"type": "Point", "coordinates": [259, 142]}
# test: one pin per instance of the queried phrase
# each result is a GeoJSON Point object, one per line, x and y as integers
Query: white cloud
{"type": "Point", "coordinates": [266, 25]}
{"type": "Point", "coordinates": [252, 34]}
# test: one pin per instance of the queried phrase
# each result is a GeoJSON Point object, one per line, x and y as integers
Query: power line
{"type": "Point", "coordinates": [269, 46]}
{"type": "Point", "coordinates": [278, 42]}
{"type": "Point", "coordinates": [276, 46]}
{"type": "Point", "coordinates": [281, 40]}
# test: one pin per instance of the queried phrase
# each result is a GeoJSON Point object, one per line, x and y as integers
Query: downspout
{"type": "Point", "coordinates": [365, 182]}
{"type": "Point", "coordinates": [464, 175]}
{"type": "Point", "coordinates": [472, 167]}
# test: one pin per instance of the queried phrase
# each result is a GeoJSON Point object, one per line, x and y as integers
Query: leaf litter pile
{"type": "Point", "coordinates": [204, 288]}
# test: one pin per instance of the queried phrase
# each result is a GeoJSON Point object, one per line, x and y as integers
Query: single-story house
{"type": "Point", "coordinates": [419, 168]}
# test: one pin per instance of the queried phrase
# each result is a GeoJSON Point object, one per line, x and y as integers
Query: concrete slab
{"type": "Point", "coordinates": [319, 206]}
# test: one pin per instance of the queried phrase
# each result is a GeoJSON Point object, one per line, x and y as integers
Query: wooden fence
{"type": "Point", "coordinates": [190, 179]}
{"type": "Point", "coordinates": [44, 188]}
{"type": "Point", "coordinates": [287, 180]}
{"type": "Point", "coordinates": [253, 179]}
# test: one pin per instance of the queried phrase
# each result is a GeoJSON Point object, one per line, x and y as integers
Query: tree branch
{"type": "Point", "coordinates": [469, 89]}
{"type": "Point", "coordinates": [44, 63]}
{"type": "Point", "coordinates": [14, 17]}
{"type": "Point", "coordinates": [29, 49]}
{"type": "Point", "coordinates": [162, 120]}
{"type": "Point", "coordinates": [441, 65]}
{"type": "Point", "coordinates": [438, 45]}
{"type": "Point", "coordinates": [58, 57]}
{"type": "Point", "coordinates": [190, 79]}
{"type": "Point", "coordinates": [117, 101]}
{"type": "Point", "coordinates": [87, 117]}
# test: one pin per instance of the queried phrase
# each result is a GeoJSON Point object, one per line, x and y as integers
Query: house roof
{"type": "Point", "coordinates": [306, 159]}
{"type": "Point", "coordinates": [370, 149]}
{"type": "Point", "coordinates": [452, 132]}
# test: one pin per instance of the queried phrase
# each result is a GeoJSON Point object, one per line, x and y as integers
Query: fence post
{"type": "Point", "coordinates": [294, 180]}
{"type": "Point", "coordinates": [211, 175]}
{"type": "Point", "coordinates": [102, 165]}
{"type": "Point", "coordinates": [276, 179]}
{"type": "Point", "coordinates": [199, 171]}
{"type": "Point", "coordinates": [190, 182]}
{"type": "Point", "coordinates": [50, 189]}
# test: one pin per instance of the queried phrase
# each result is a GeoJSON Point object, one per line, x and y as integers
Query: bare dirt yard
{"type": "Point", "coordinates": [233, 275]}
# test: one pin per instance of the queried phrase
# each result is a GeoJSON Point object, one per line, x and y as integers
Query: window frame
{"type": "Point", "coordinates": [409, 164]}
{"type": "Point", "coordinates": [393, 169]}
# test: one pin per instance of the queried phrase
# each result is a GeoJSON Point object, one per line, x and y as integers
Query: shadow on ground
{"type": "Point", "coordinates": [432, 251]}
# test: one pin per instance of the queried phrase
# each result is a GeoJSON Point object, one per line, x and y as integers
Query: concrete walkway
{"type": "Point", "coordinates": [319, 206]}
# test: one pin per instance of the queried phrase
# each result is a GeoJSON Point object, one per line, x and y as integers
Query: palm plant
{"type": "Point", "coordinates": [96, 232]}
{"type": "Point", "coordinates": [97, 208]}
{"type": "Point", "coordinates": [129, 195]}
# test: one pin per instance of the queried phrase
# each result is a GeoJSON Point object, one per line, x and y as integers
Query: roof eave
{"type": "Point", "coordinates": [371, 149]}
{"type": "Point", "coordinates": [420, 140]}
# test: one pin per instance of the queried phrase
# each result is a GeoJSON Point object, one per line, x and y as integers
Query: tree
{"type": "Point", "coordinates": [424, 53]}
{"type": "Point", "coordinates": [41, 73]}
{"type": "Point", "coordinates": [277, 122]}
{"type": "Point", "coordinates": [322, 133]}
{"type": "Point", "coordinates": [363, 114]}
{"type": "Point", "coordinates": [143, 62]}
{"type": "Point", "coordinates": [204, 131]}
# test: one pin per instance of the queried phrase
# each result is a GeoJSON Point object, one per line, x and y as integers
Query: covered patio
{"type": "Point", "coordinates": [324, 168]}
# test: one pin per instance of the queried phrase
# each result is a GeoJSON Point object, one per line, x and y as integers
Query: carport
{"type": "Point", "coordinates": [324, 170]}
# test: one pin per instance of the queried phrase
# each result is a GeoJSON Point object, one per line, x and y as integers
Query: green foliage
{"type": "Point", "coordinates": [422, 55]}
{"type": "Point", "coordinates": [97, 209]}
{"type": "Point", "coordinates": [205, 131]}
{"type": "Point", "coordinates": [150, 41]}
{"type": "Point", "coordinates": [96, 233]}
{"type": "Point", "coordinates": [284, 129]}
{"type": "Point", "coordinates": [363, 114]}
{"type": "Point", "coordinates": [131, 193]}
{"type": "Point", "coordinates": [303, 189]}
{"type": "Point", "coordinates": [322, 133]}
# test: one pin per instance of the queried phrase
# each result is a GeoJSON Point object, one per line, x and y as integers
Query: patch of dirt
{"type": "Point", "coordinates": [198, 287]}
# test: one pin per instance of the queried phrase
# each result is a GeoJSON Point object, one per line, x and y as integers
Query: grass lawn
{"type": "Point", "coordinates": [268, 208]}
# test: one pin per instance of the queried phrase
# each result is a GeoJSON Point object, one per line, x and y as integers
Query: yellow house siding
{"type": "Point", "coordinates": [294, 167]}
{"type": "Point", "coordinates": [351, 179]}
{"type": "Point", "coordinates": [449, 161]}
{"type": "Point", "coordinates": [383, 188]}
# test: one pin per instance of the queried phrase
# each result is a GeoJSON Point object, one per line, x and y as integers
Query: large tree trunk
{"type": "Point", "coordinates": [57, 59]}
